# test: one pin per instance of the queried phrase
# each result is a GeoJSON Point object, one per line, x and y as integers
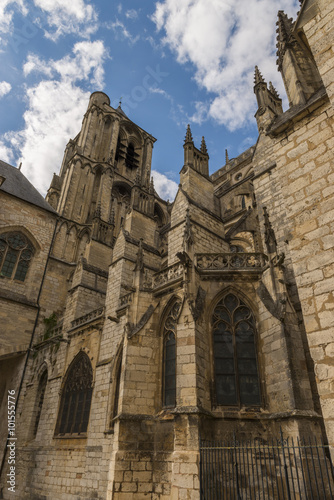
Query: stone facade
{"type": "Point", "coordinates": [116, 337]}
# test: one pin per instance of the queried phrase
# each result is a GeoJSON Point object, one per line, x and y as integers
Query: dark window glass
{"type": "Point", "coordinates": [117, 386]}
{"type": "Point", "coordinates": [236, 373]}
{"type": "Point", "coordinates": [169, 368]}
{"type": "Point", "coordinates": [76, 397]}
{"type": "Point", "coordinates": [15, 255]}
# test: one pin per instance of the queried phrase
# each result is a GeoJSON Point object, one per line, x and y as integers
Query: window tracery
{"type": "Point", "coordinates": [235, 360]}
{"type": "Point", "coordinates": [16, 253]}
{"type": "Point", "coordinates": [169, 372]}
{"type": "Point", "coordinates": [76, 397]}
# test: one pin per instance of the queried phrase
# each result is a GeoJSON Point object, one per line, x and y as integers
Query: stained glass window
{"type": "Point", "coordinates": [76, 397]}
{"type": "Point", "coordinates": [169, 376]}
{"type": "Point", "coordinates": [15, 255]}
{"type": "Point", "coordinates": [236, 373]}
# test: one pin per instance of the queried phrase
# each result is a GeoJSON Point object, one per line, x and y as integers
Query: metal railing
{"type": "Point", "coordinates": [280, 469]}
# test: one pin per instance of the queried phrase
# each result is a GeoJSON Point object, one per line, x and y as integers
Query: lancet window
{"type": "Point", "coordinates": [235, 360]}
{"type": "Point", "coordinates": [76, 397]}
{"type": "Point", "coordinates": [169, 368]}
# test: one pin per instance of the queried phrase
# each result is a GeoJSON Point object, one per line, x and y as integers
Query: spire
{"type": "Point", "coordinates": [273, 91]}
{"type": "Point", "coordinates": [284, 27]}
{"type": "Point", "coordinates": [189, 137]}
{"type": "Point", "coordinates": [226, 157]}
{"type": "Point", "coordinates": [258, 78]}
{"type": "Point", "coordinates": [203, 146]}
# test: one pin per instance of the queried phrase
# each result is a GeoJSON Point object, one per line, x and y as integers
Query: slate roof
{"type": "Point", "coordinates": [17, 185]}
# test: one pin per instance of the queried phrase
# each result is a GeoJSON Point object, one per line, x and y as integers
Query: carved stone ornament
{"type": "Point", "coordinates": [188, 238]}
{"type": "Point", "coordinates": [269, 233]}
{"type": "Point", "coordinates": [132, 329]}
{"type": "Point", "coordinates": [197, 308]}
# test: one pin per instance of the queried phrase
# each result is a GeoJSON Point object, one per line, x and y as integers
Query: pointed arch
{"type": "Point", "coordinates": [234, 334]}
{"type": "Point", "coordinates": [170, 317]}
{"type": "Point", "coordinates": [76, 397]}
{"type": "Point", "coordinates": [16, 254]}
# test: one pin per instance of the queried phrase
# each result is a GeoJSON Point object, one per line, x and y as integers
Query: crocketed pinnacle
{"type": "Point", "coordinates": [273, 90]}
{"type": "Point", "coordinates": [203, 146]}
{"type": "Point", "coordinates": [284, 36]}
{"type": "Point", "coordinates": [258, 78]}
{"type": "Point", "coordinates": [226, 157]}
{"type": "Point", "coordinates": [284, 27]}
{"type": "Point", "coordinates": [152, 186]}
{"type": "Point", "coordinates": [189, 137]}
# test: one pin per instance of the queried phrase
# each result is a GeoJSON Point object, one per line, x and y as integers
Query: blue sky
{"type": "Point", "coordinates": [171, 62]}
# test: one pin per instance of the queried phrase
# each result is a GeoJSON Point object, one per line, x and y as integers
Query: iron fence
{"type": "Point", "coordinates": [280, 469]}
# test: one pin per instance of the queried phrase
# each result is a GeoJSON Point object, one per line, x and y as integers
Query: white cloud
{"type": "Point", "coordinates": [6, 153]}
{"type": "Point", "coordinates": [64, 16]}
{"type": "Point", "coordinates": [122, 32]}
{"type": "Point", "coordinates": [87, 59]}
{"type": "Point", "coordinates": [7, 10]}
{"type": "Point", "coordinates": [5, 88]}
{"type": "Point", "coordinates": [165, 188]}
{"type": "Point", "coordinates": [131, 14]}
{"type": "Point", "coordinates": [55, 108]}
{"type": "Point", "coordinates": [224, 40]}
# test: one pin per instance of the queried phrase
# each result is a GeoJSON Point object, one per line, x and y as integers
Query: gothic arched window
{"type": "Point", "coordinates": [76, 397]}
{"type": "Point", "coordinates": [16, 252]}
{"type": "Point", "coordinates": [117, 375]}
{"type": "Point", "coordinates": [236, 374]}
{"type": "Point", "coordinates": [39, 400]}
{"type": "Point", "coordinates": [169, 368]}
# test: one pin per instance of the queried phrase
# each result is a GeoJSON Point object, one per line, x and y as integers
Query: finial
{"type": "Point", "coordinates": [189, 137]}
{"type": "Point", "coordinates": [258, 78]}
{"type": "Point", "coordinates": [120, 102]}
{"type": "Point", "coordinates": [226, 157]}
{"type": "Point", "coordinates": [273, 90]}
{"type": "Point", "coordinates": [203, 146]}
{"type": "Point", "coordinates": [284, 35]}
{"type": "Point", "coordinates": [20, 166]}
{"type": "Point", "coordinates": [151, 186]}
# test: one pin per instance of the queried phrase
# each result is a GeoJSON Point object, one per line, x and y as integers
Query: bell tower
{"type": "Point", "coordinates": [109, 157]}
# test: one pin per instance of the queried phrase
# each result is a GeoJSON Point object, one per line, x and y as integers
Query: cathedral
{"type": "Point", "coordinates": [135, 329]}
